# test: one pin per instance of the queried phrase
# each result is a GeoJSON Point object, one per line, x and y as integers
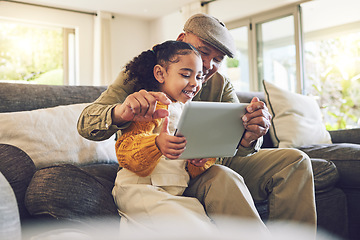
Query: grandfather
{"type": "Point", "coordinates": [282, 176]}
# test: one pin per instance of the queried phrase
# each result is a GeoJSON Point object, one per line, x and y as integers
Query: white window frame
{"type": "Point", "coordinates": [251, 22]}
{"type": "Point", "coordinates": [69, 72]}
{"type": "Point", "coordinates": [246, 23]}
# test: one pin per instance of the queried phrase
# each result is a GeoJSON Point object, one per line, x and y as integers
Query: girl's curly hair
{"type": "Point", "coordinates": [140, 69]}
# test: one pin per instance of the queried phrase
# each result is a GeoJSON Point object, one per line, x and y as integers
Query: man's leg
{"type": "Point", "coordinates": [224, 193]}
{"type": "Point", "coordinates": [285, 178]}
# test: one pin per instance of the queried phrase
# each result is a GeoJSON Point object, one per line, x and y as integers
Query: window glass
{"type": "Point", "coordinates": [237, 68]}
{"type": "Point", "coordinates": [276, 53]}
{"type": "Point", "coordinates": [332, 60]}
{"type": "Point", "coordinates": [31, 53]}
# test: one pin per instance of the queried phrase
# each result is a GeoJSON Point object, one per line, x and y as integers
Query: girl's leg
{"type": "Point", "coordinates": [149, 208]}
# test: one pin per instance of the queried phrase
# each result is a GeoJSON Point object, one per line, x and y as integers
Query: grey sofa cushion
{"type": "Point", "coordinates": [18, 168]}
{"type": "Point", "coordinates": [9, 214]}
{"type": "Point", "coordinates": [67, 192]}
{"type": "Point", "coordinates": [325, 174]}
{"type": "Point", "coordinates": [345, 156]}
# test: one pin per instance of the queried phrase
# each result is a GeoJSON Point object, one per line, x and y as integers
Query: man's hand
{"type": "Point", "coordinates": [257, 121]}
{"type": "Point", "coordinates": [140, 106]}
{"type": "Point", "coordinates": [170, 146]}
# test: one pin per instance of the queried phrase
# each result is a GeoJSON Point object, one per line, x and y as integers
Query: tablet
{"type": "Point", "coordinates": [212, 129]}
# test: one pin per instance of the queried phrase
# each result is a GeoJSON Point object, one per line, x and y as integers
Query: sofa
{"type": "Point", "coordinates": [43, 193]}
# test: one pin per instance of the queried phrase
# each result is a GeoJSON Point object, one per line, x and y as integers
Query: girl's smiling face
{"type": "Point", "coordinates": [182, 79]}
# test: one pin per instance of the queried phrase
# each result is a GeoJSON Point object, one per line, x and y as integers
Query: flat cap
{"type": "Point", "coordinates": [212, 31]}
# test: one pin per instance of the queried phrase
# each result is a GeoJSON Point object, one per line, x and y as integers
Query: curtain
{"type": "Point", "coordinates": [102, 49]}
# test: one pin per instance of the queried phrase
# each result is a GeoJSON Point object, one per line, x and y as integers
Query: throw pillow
{"type": "Point", "coordinates": [296, 119]}
{"type": "Point", "coordinates": [49, 136]}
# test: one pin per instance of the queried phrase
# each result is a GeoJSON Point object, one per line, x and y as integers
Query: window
{"type": "Point", "coordinates": [276, 53]}
{"type": "Point", "coordinates": [69, 61]}
{"type": "Point", "coordinates": [36, 54]}
{"type": "Point", "coordinates": [313, 48]}
{"type": "Point", "coordinates": [267, 49]}
{"type": "Point", "coordinates": [237, 68]}
{"type": "Point", "coordinates": [332, 60]}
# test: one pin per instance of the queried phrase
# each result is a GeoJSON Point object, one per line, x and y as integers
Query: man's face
{"type": "Point", "coordinates": [211, 56]}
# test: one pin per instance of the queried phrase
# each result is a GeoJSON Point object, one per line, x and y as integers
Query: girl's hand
{"type": "Point", "coordinates": [199, 162]}
{"type": "Point", "coordinates": [170, 146]}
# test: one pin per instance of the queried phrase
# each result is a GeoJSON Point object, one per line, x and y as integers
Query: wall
{"type": "Point", "coordinates": [166, 28]}
{"type": "Point", "coordinates": [130, 36]}
{"type": "Point", "coordinates": [171, 25]}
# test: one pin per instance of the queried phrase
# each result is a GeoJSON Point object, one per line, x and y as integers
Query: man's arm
{"type": "Point", "coordinates": [217, 89]}
{"type": "Point", "coordinates": [117, 107]}
{"type": "Point", "coordinates": [256, 121]}
{"type": "Point", "coordinates": [229, 93]}
{"type": "Point", "coordinates": [95, 121]}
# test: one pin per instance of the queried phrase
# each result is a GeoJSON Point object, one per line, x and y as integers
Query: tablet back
{"type": "Point", "coordinates": [212, 129]}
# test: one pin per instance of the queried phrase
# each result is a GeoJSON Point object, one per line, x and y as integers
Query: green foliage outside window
{"type": "Point", "coordinates": [333, 72]}
{"type": "Point", "coordinates": [232, 62]}
{"type": "Point", "coordinates": [31, 53]}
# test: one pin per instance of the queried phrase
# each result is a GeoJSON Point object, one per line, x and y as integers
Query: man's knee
{"type": "Point", "coordinates": [223, 177]}
{"type": "Point", "coordinates": [217, 176]}
{"type": "Point", "coordinates": [222, 172]}
{"type": "Point", "coordinates": [295, 156]}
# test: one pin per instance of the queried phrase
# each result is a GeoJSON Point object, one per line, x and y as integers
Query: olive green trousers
{"type": "Point", "coordinates": [284, 177]}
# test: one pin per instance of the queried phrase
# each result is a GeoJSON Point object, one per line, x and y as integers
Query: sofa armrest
{"type": "Point", "coordinates": [9, 213]}
{"type": "Point", "coordinates": [345, 156]}
{"type": "Point", "coordinates": [18, 169]}
{"type": "Point", "coordinates": [346, 136]}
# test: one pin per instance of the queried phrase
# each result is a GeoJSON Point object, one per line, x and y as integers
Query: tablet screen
{"type": "Point", "coordinates": [212, 129]}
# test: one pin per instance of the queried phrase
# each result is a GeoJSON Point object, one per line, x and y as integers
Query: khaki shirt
{"type": "Point", "coordinates": [95, 122]}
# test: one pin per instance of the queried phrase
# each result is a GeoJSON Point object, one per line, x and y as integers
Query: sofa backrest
{"type": "Point", "coordinates": [24, 97]}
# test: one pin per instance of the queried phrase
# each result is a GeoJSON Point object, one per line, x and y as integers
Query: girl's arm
{"type": "Point", "coordinates": [136, 149]}
{"type": "Point", "coordinates": [139, 149]}
{"type": "Point", "coordinates": [171, 146]}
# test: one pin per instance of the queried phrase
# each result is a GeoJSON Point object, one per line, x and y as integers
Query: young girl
{"type": "Point", "coordinates": [148, 189]}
